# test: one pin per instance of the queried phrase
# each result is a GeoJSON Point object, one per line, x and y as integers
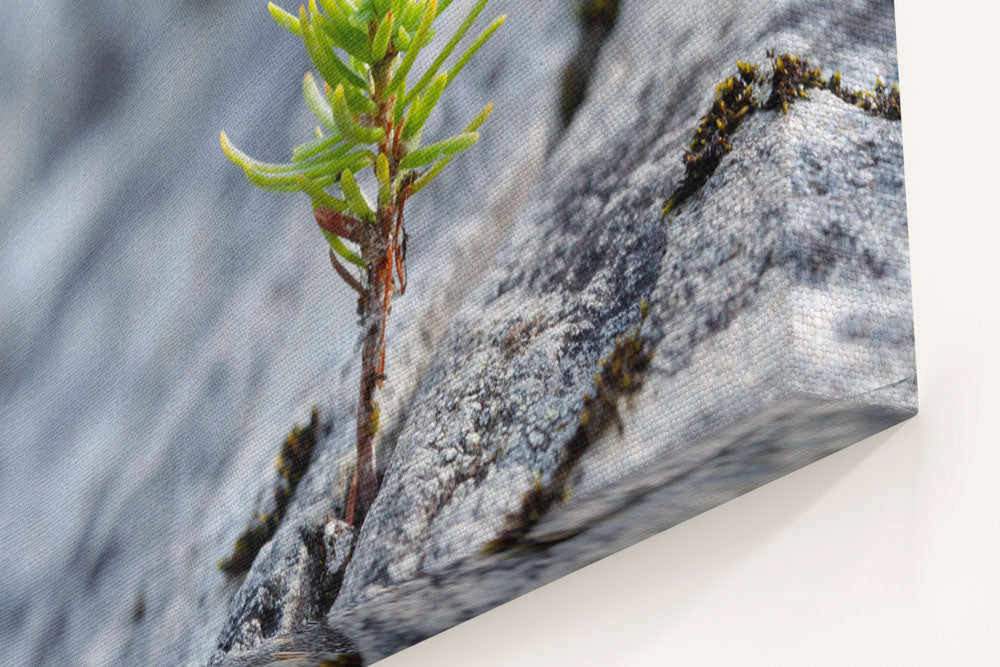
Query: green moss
{"type": "Point", "coordinates": [296, 452]}
{"type": "Point", "coordinates": [602, 12]}
{"type": "Point", "coordinates": [246, 547]}
{"type": "Point", "coordinates": [880, 101]}
{"type": "Point", "coordinates": [621, 375]}
{"type": "Point", "coordinates": [735, 99]}
{"type": "Point", "coordinates": [739, 96]}
{"type": "Point", "coordinates": [791, 77]}
{"type": "Point", "coordinates": [291, 465]}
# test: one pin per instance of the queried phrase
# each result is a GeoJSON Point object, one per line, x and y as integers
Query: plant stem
{"type": "Point", "coordinates": [364, 485]}
{"type": "Point", "coordinates": [378, 248]}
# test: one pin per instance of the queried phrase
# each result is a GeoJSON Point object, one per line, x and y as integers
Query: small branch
{"type": "Point", "coordinates": [401, 271]}
{"type": "Point", "coordinates": [346, 275]}
{"type": "Point", "coordinates": [399, 234]}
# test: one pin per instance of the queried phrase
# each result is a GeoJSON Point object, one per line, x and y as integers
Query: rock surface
{"type": "Point", "coordinates": [778, 308]}
{"type": "Point", "coordinates": [165, 323]}
{"type": "Point", "coordinates": [291, 581]}
{"type": "Point", "coordinates": [753, 289]}
{"type": "Point", "coordinates": [780, 438]}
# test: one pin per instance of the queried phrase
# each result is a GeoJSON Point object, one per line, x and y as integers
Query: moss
{"type": "Point", "coordinates": [291, 465]}
{"type": "Point", "coordinates": [343, 660]}
{"type": "Point", "coordinates": [600, 12]}
{"type": "Point", "coordinates": [245, 549]}
{"type": "Point", "coordinates": [735, 99]}
{"type": "Point", "coordinates": [880, 101]}
{"type": "Point", "coordinates": [791, 77]}
{"type": "Point", "coordinates": [739, 96]}
{"type": "Point", "coordinates": [296, 452]}
{"type": "Point", "coordinates": [597, 18]}
{"type": "Point", "coordinates": [620, 375]}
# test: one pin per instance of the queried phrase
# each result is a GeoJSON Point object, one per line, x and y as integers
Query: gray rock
{"type": "Point", "coordinates": [307, 645]}
{"type": "Point", "coordinates": [293, 581]}
{"type": "Point", "coordinates": [778, 302]}
{"type": "Point", "coordinates": [800, 233]}
{"type": "Point", "coordinates": [781, 437]}
{"type": "Point", "coordinates": [165, 323]}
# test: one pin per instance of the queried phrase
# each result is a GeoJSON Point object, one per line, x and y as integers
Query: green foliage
{"type": "Point", "coordinates": [364, 50]}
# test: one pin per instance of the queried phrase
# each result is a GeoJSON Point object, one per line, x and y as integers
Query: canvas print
{"type": "Point", "coordinates": [328, 327]}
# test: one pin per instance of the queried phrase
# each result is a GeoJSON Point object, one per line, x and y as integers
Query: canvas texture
{"type": "Point", "coordinates": [672, 268]}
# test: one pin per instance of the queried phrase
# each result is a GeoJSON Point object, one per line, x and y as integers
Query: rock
{"type": "Point", "coordinates": [306, 646]}
{"type": "Point", "coordinates": [778, 315]}
{"type": "Point", "coordinates": [165, 323]}
{"type": "Point", "coordinates": [800, 230]}
{"type": "Point", "coordinates": [293, 581]}
{"type": "Point", "coordinates": [714, 469]}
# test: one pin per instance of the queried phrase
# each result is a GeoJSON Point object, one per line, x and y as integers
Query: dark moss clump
{"type": "Point", "coordinates": [597, 18]}
{"type": "Point", "coordinates": [620, 375]}
{"type": "Point", "coordinates": [296, 452]}
{"type": "Point", "coordinates": [735, 99]}
{"type": "Point", "coordinates": [791, 77]}
{"type": "Point", "coordinates": [880, 101]}
{"type": "Point", "coordinates": [248, 544]}
{"type": "Point", "coordinates": [291, 464]}
{"type": "Point", "coordinates": [739, 96]}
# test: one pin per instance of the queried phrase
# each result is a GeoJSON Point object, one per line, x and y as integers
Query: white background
{"type": "Point", "coordinates": [886, 553]}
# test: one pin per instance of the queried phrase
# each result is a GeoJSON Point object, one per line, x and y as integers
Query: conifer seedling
{"type": "Point", "coordinates": [369, 118]}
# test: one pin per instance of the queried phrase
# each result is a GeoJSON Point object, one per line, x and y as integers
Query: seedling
{"type": "Point", "coordinates": [369, 118]}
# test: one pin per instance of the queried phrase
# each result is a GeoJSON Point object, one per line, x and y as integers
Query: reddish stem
{"type": "Point", "coordinates": [364, 484]}
{"type": "Point", "coordinates": [379, 246]}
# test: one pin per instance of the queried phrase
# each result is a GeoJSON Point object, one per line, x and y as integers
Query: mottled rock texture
{"type": "Point", "coordinates": [787, 273]}
{"type": "Point", "coordinates": [778, 314]}
{"type": "Point", "coordinates": [165, 323]}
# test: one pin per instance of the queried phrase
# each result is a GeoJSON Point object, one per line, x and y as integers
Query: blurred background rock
{"type": "Point", "coordinates": [164, 323]}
